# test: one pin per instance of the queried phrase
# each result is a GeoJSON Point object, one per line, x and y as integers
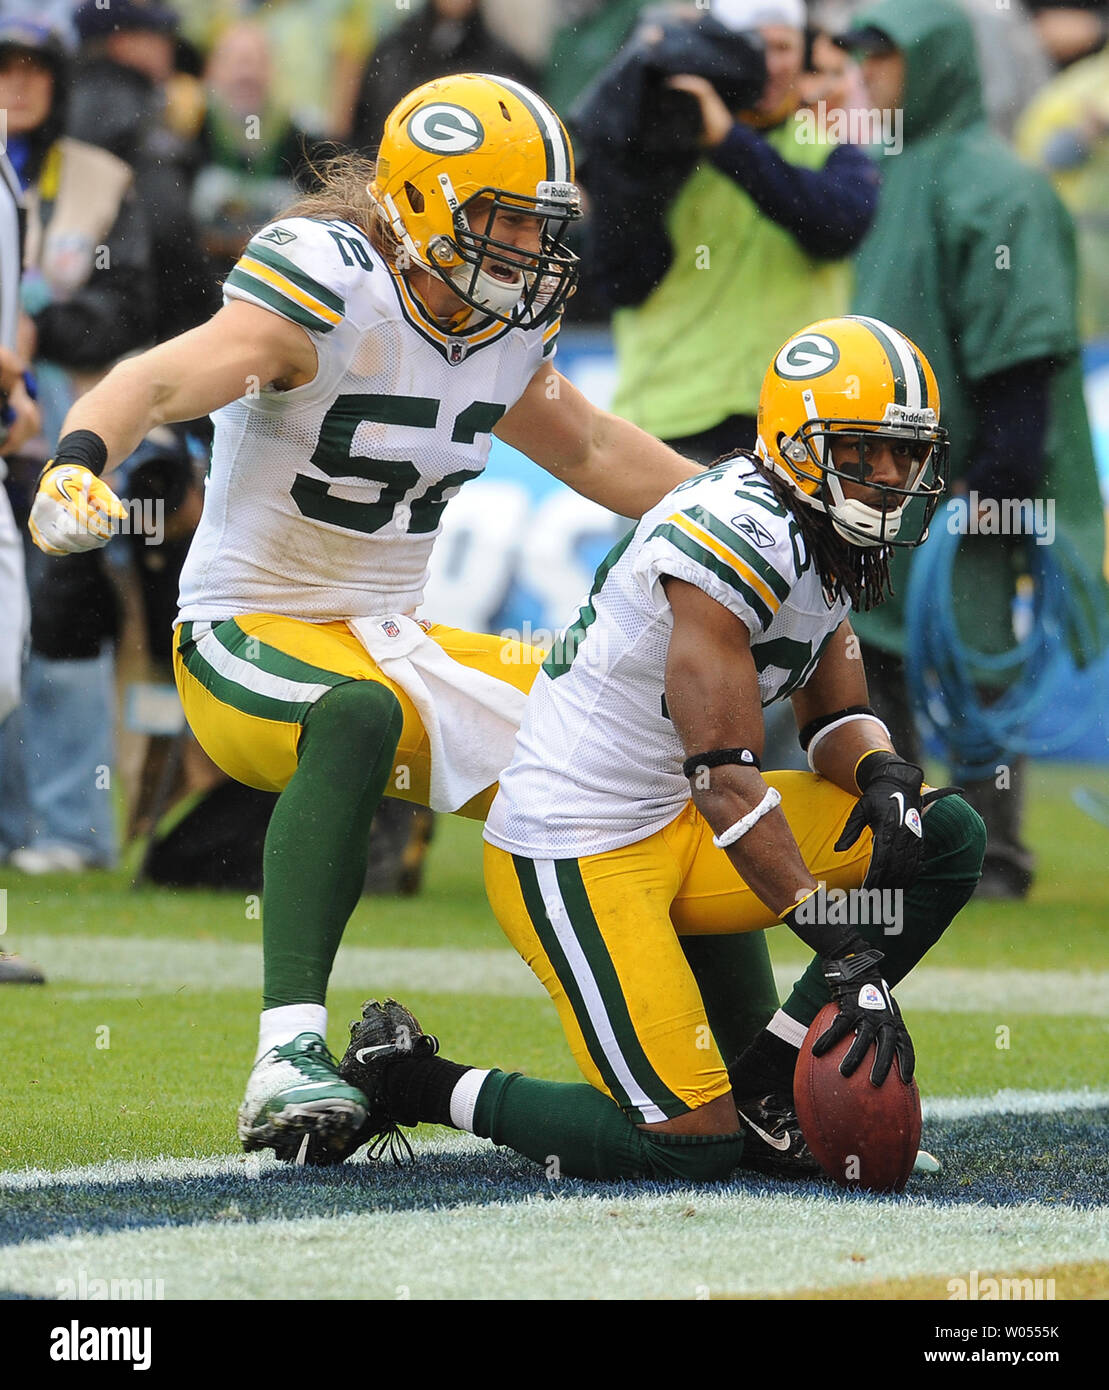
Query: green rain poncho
{"type": "Point", "coordinates": [972, 255]}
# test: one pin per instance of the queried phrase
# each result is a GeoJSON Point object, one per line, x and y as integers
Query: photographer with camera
{"type": "Point", "coordinates": [742, 222]}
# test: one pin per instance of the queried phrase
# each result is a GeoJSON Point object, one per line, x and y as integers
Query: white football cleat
{"type": "Point", "coordinates": [297, 1104]}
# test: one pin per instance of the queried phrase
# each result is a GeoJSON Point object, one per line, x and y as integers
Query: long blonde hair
{"type": "Point", "coordinates": [342, 192]}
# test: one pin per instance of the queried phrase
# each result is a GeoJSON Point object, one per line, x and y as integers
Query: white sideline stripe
{"type": "Point", "coordinates": [591, 994]}
{"type": "Point", "coordinates": [256, 1165]}
{"type": "Point", "coordinates": [942, 989]}
{"type": "Point", "coordinates": [1013, 1103]}
{"type": "Point", "coordinates": [164, 966]}
{"type": "Point", "coordinates": [686, 1243]}
{"type": "Point", "coordinates": [167, 966]}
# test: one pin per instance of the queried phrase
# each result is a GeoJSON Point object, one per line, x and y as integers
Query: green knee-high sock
{"type": "Point", "coordinates": [577, 1132]}
{"type": "Point", "coordinates": [315, 854]}
{"type": "Point", "coordinates": [736, 982]}
{"type": "Point", "coordinates": [954, 843]}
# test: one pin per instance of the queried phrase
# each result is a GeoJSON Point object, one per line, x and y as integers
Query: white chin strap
{"type": "Point", "coordinates": [859, 524]}
{"type": "Point", "coordinates": [499, 296]}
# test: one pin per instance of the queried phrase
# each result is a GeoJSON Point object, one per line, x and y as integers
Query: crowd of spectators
{"type": "Point", "coordinates": [150, 138]}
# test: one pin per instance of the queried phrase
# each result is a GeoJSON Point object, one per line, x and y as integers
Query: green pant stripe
{"type": "Point", "coordinates": [270, 659]}
{"type": "Point", "coordinates": [589, 936]}
{"type": "Point", "coordinates": [533, 901]}
{"type": "Point", "coordinates": [241, 696]}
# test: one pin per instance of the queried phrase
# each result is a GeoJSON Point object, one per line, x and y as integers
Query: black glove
{"type": "Point", "coordinates": [867, 1009]}
{"type": "Point", "coordinates": [891, 805]}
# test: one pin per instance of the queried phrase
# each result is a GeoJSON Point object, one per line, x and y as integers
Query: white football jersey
{"type": "Point", "coordinates": [597, 762]}
{"type": "Point", "coordinates": [324, 502]}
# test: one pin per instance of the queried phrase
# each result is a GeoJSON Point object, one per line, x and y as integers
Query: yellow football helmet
{"type": "Point", "coordinates": [855, 376]}
{"type": "Point", "coordinates": [456, 152]}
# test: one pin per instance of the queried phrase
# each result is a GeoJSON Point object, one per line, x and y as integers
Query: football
{"type": "Point", "coordinates": [863, 1136]}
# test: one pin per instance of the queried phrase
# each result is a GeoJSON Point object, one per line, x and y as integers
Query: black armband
{"type": "Point", "coordinates": [83, 447]}
{"type": "Point", "coordinates": [718, 758]}
{"type": "Point", "coordinates": [814, 726]}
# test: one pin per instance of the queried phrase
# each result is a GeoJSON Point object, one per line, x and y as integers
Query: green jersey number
{"type": "Point", "coordinates": [562, 654]}
{"type": "Point", "coordinates": [398, 477]}
{"type": "Point", "coordinates": [796, 658]}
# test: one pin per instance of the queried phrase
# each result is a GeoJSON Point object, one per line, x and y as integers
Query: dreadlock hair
{"type": "Point", "coordinates": [860, 572]}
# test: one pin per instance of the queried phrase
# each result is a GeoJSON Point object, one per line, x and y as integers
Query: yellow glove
{"type": "Point", "coordinates": [73, 511]}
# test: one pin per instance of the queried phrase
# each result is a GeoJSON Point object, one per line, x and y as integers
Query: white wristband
{"type": "Point", "coordinates": [736, 832]}
{"type": "Point", "coordinates": [837, 724]}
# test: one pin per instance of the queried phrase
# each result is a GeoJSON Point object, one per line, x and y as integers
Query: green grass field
{"type": "Point", "coordinates": [137, 1050]}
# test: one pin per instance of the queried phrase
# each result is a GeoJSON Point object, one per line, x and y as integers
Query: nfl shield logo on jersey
{"type": "Point", "coordinates": [457, 353]}
{"type": "Point", "coordinates": [390, 628]}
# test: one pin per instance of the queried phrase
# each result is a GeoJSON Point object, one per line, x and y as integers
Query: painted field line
{"type": "Point", "coordinates": [1012, 1102]}
{"type": "Point", "coordinates": [1007, 1102]}
{"type": "Point", "coordinates": [941, 989]}
{"type": "Point", "coordinates": [687, 1243]}
{"type": "Point", "coordinates": [100, 965]}
{"type": "Point", "coordinates": [164, 966]}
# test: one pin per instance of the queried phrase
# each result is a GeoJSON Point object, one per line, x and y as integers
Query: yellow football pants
{"type": "Point", "coordinates": [247, 684]}
{"type": "Point", "coordinates": [602, 934]}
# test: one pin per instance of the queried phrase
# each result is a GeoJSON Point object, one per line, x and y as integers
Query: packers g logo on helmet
{"type": "Point", "coordinates": [444, 129]}
{"type": "Point", "coordinates": [807, 355]}
{"type": "Point", "coordinates": [457, 154]}
{"type": "Point", "coordinates": [858, 381]}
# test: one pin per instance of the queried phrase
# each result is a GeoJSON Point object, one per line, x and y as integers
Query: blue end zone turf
{"type": "Point", "coordinates": [994, 1160]}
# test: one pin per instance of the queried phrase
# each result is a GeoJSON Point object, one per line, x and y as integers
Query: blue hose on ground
{"type": "Point", "coordinates": [1065, 629]}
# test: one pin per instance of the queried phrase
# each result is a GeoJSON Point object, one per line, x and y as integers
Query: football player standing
{"type": "Point", "coordinates": [369, 343]}
{"type": "Point", "coordinates": [635, 839]}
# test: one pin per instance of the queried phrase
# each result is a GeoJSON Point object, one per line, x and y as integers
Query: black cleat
{"type": "Point", "coordinates": [385, 1034]}
{"type": "Point", "coordinates": [774, 1144]}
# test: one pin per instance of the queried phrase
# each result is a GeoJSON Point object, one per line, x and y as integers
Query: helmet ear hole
{"type": "Point", "coordinates": [415, 198]}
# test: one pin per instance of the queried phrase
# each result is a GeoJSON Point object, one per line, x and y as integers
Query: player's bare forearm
{"type": "Point", "coordinates": [712, 694]}
{"type": "Point", "coordinates": [597, 454]}
{"type": "Point", "coordinates": [839, 683]}
{"type": "Point", "coordinates": [241, 349]}
{"type": "Point", "coordinates": [628, 470]}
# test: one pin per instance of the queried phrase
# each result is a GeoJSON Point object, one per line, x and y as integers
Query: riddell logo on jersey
{"type": "Point", "coordinates": [876, 126]}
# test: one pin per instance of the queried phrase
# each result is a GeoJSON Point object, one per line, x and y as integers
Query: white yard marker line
{"type": "Point", "coordinates": [1008, 1102]}
{"type": "Point", "coordinates": [92, 967]}
{"type": "Point", "coordinates": [1013, 1103]}
{"type": "Point", "coordinates": [124, 965]}
{"type": "Point", "coordinates": [688, 1243]}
